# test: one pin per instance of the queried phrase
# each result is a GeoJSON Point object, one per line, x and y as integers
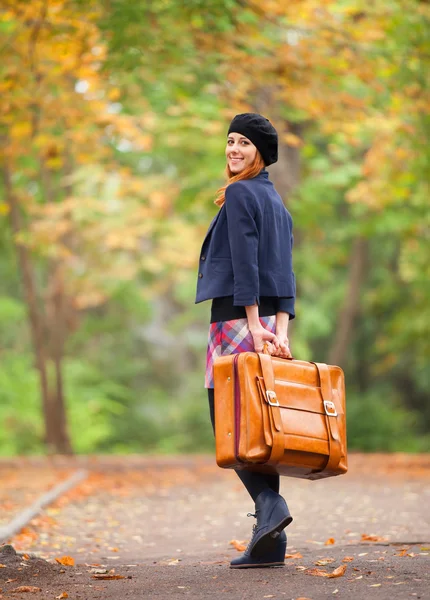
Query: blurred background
{"type": "Point", "coordinates": [113, 120]}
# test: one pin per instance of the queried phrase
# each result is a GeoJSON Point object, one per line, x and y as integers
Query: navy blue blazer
{"type": "Point", "coordinates": [247, 251]}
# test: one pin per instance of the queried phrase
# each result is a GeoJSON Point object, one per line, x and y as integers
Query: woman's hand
{"type": "Point", "coordinates": [262, 336]}
{"type": "Point", "coordinates": [284, 346]}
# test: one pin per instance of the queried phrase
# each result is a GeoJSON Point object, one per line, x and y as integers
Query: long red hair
{"type": "Point", "coordinates": [248, 173]}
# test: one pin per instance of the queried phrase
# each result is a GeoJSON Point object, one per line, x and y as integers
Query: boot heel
{"type": "Point", "coordinates": [277, 555]}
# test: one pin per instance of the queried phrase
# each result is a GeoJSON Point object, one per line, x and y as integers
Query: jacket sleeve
{"type": "Point", "coordinates": [287, 304]}
{"type": "Point", "coordinates": [243, 238]}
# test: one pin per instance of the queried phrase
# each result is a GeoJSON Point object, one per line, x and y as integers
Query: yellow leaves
{"type": "Point", "coordinates": [89, 299]}
{"type": "Point", "coordinates": [19, 131]}
{"type": "Point", "coordinates": [4, 209]}
{"type": "Point", "coordinates": [66, 561]}
{"type": "Point", "coordinates": [292, 140]}
{"type": "Point", "coordinates": [114, 94]}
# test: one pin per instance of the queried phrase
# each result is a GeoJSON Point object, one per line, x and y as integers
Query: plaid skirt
{"type": "Point", "coordinates": [231, 337]}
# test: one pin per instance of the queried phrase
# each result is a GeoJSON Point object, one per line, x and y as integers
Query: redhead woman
{"type": "Point", "coordinates": [245, 268]}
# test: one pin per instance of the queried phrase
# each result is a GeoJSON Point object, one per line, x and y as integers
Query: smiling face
{"type": "Point", "coordinates": [240, 152]}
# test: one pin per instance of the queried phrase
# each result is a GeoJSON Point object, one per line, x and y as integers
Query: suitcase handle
{"type": "Point", "coordinates": [265, 351]}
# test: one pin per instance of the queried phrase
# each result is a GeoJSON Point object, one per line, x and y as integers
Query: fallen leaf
{"type": "Point", "coordinates": [329, 542]}
{"type": "Point", "coordinates": [403, 552]}
{"type": "Point", "coordinates": [25, 588]}
{"type": "Point", "coordinates": [372, 538]}
{"type": "Point", "coordinates": [338, 572]}
{"type": "Point", "coordinates": [324, 561]}
{"type": "Point", "coordinates": [296, 555]}
{"type": "Point", "coordinates": [62, 595]}
{"type": "Point", "coordinates": [363, 554]}
{"type": "Point", "coordinates": [11, 580]}
{"type": "Point", "coordinates": [25, 557]}
{"type": "Point", "coordinates": [239, 546]}
{"type": "Point", "coordinates": [425, 548]}
{"type": "Point", "coordinates": [67, 561]}
{"type": "Point", "coordinates": [98, 571]}
{"type": "Point", "coordinates": [348, 559]}
{"type": "Point", "coordinates": [2, 566]}
{"type": "Point", "coordinates": [108, 576]}
{"type": "Point", "coordinates": [376, 585]}
{"type": "Point", "coordinates": [269, 596]}
{"type": "Point", "coordinates": [335, 591]}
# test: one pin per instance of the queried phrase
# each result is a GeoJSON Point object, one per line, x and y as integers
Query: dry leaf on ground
{"type": "Point", "coordinates": [372, 538]}
{"type": "Point", "coordinates": [62, 595]}
{"type": "Point", "coordinates": [403, 551]}
{"type": "Point", "coordinates": [239, 546]}
{"type": "Point", "coordinates": [2, 566]}
{"type": "Point", "coordinates": [324, 561]}
{"type": "Point", "coordinates": [329, 542]}
{"type": "Point", "coordinates": [338, 572]}
{"type": "Point", "coordinates": [347, 559]}
{"type": "Point", "coordinates": [67, 561]}
{"type": "Point", "coordinates": [296, 555]}
{"type": "Point", "coordinates": [108, 576]}
{"type": "Point", "coordinates": [25, 588]}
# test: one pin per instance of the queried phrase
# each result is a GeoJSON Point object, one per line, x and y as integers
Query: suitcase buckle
{"type": "Point", "coordinates": [330, 408]}
{"type": "Point", "coordinates": [271, 398]}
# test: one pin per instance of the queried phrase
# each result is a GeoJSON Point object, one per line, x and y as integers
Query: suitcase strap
{"type": "Point", "coordinates": [335, 451]}
{"type": "Point", "coordinates": [274, 411]}
{"type": "Point", "coordinates": [331, 417]}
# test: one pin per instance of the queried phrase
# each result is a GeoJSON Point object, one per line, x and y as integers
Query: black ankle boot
{"type": "Point", "coordinates": [275, 558]}
{"type": "Point", "coordinates": [272, 517]}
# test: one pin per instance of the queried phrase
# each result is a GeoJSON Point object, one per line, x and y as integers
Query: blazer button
{"type": "Point", "coordinates": [203, 258]}
{"type": "Point", "coordinates": [200, 275]}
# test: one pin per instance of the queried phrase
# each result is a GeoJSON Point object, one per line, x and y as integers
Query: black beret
{"type": "Point", "coordinates": [260, 131]}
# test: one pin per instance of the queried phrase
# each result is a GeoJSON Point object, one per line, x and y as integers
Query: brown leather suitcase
{"type": "Point", "coordinates": [280, 415]}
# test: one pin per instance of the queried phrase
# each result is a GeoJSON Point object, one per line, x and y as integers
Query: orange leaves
{"type": "Point", "coordinates": [372, 538]}
{"type": "Point", "coordinates": [338, 572]}
{"type": "Point", "coordinates": [322, 562]}
{"type": "Point", "coordinates": [294, 556]}
{"type": "Point", "coordinates": [239, 546]}
{"type": "Point", "coordinates": [108, 576]}
{"type": "Point", "coordinates": [329, 542]}
{"type": "Point", "coordinates": [62, 595]}
{"type": "Point", "coordinates": [25, 588]}
{"type": "Point", "coordinates": [66, 561]}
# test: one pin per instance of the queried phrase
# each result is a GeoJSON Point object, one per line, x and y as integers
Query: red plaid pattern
{"type": "Point", "coordinates": [231, 337]}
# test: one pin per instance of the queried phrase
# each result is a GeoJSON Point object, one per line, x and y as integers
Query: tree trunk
{"type": "Point", "coordinates": [56, 330]}
{"type": "Point", "coordinates": [57, 326]}
{"type": "Point", "coordinates": [351, 304]}
{"type": "Point", "coordinates": [34, 316]}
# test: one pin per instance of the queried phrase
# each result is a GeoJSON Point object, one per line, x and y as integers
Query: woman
{"type": "Point", "coordinates": [246, 269]}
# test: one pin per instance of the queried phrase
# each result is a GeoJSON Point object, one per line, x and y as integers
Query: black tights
{"type": "Point", "coordinates": [254, 482]}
